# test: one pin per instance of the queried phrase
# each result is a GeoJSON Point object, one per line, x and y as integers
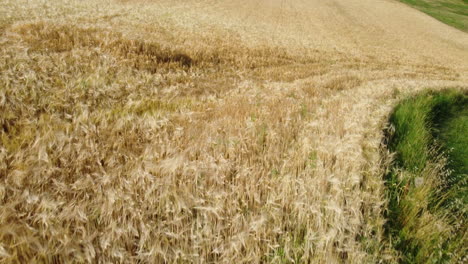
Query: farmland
{"type": "Point", "coordinates": [208, 131]}
{"type": "Point", "coordinates": [451, 12]}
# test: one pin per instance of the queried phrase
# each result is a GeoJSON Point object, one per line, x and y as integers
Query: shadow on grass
{"type": "Point", "coordinates": [426, 182]}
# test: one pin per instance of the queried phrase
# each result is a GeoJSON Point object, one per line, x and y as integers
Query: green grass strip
{"type": "Point", "coordinates": [427, 183]}
{"type": "Point", "coordinates": [450, 12]}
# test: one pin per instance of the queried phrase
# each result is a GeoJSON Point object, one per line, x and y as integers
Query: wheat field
{"type": "Point", "coordinates": [208, 131]}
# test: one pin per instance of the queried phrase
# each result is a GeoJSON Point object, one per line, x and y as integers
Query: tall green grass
{"type": "Point", "coordinates": [427, 185]}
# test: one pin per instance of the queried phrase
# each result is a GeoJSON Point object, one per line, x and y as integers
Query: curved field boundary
{"type": "Point", "coordinates": [426, 184]}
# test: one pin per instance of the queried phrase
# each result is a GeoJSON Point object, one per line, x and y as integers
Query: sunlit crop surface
{"type": "Point", "coordinates": [206, 131]}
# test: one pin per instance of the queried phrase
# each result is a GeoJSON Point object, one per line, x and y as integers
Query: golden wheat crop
{"type": "Point", "coordinates": [173, 131]}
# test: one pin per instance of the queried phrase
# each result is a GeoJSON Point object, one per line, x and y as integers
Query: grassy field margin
{"type": "Point", "coordinates": [450, 12]}
{"type": "Point", "coordinates": [426, 185]}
